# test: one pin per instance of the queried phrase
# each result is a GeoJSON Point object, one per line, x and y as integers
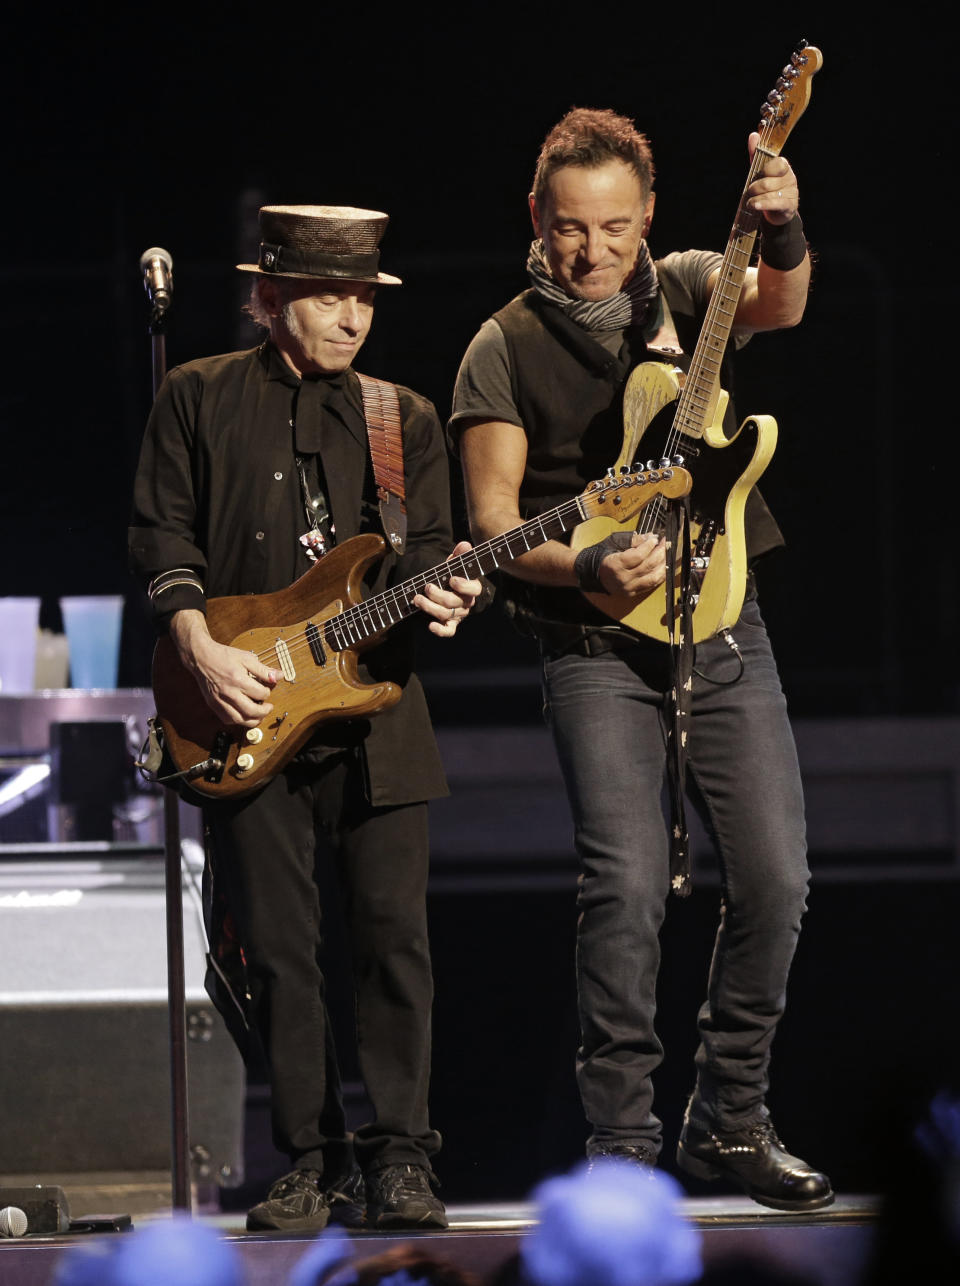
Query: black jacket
{"type": "Point", "coordinates": [217, 491]}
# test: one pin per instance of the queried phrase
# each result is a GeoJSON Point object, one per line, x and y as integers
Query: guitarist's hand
{"type": "Point", "coordinates": [636, 565]}
{"type": "Point", "coordinates": [234, 684]}
{"type": "Point", "coordinates": [449, 606]}
{"type": "Point", "coordinates": [775, 194]}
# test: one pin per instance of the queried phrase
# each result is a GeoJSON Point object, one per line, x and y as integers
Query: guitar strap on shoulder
{"type": "Point", "coordinates": [381, 410]}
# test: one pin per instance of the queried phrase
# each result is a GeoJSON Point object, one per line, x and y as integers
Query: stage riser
{"type": "Point", "coordinates": [832, 1256]}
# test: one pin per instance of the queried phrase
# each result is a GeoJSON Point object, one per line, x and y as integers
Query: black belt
{"type": "Point", "coordinates": [580, 640]}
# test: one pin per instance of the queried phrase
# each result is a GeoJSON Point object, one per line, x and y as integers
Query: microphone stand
{"type": "Point", "coordinates": [176, 985]}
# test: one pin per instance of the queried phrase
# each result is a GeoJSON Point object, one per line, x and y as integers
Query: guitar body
{"type": "Point", "coordinates": [723, 471]}
{"type": "Point", "coordinates": [668, 415]}
{"type": "Point", "coordinates": [309, 693]}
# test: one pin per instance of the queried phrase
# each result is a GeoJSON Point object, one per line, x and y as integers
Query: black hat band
{"type": "Point", "coordinates": [285, 259]}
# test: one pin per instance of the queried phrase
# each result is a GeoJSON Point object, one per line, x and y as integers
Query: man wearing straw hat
{"type": "Point", "coordinates": [254, 464]}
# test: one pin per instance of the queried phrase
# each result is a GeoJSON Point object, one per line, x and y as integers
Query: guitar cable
{"type": "Point", "coordinates": [734, 647]}
{"type": "Point", "coordinates": [151, 757]}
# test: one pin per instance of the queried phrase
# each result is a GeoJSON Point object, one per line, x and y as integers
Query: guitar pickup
{"type": "Point", "coordinates": [286, 661]}
{"type": "Point", "coordinates": [315, 642]}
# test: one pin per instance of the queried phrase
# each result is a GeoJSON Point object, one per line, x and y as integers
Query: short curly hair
{"type": "Point", "coordinates": [589, 137]}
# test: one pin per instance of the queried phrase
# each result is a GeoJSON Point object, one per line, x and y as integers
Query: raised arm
{"type": "Point", "coordinates": [775, 292]}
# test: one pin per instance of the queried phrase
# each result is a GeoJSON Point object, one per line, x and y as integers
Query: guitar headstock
{"type": "Point", "coordinates": [787, 101]}
{"type": "Point", "coordinates": [625, 494]}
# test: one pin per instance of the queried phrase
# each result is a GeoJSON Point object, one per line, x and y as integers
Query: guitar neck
{"type": "Point", "coordinates": [784, 106]}
{"type": "Point", "coordinates": [364, 621]}
{"type": "Point", "coordinates": [697, 400]}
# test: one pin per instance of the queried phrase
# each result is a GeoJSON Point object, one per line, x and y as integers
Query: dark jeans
{"type": "Point", "coordinates": [266, 849]}
{"type": "Point", "coordinates": [606, 716]}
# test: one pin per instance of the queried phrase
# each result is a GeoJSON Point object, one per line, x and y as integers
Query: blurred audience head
{"type": "Point", "coordinates": [402, 1266]}
{"type": "Point", "coordinates": [918, 1234]}
{"type": "Point", "coordinates": [610, 1223]}
{"type": "Point", "coordinates": [167, 1252]}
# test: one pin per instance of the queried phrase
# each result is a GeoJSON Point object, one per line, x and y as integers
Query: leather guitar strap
{"type": "Point", "coordinates": [381, 410]}
{"type": "Point", "coordinates": [677, 704]}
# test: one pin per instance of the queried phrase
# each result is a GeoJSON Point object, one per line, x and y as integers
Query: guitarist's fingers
{"type": "Point", "coordinates": [636, 569]}
{"type": "Point", "coordinates": [468, 591]}
{"type": "Point", "coordinates": [774, 193]}
{"type": "Point", "coordinates": [259, 672]}
{"type": "Point", "coordinates": [446, 608]}
{"type": "Point", "coordinates": [236, 685]}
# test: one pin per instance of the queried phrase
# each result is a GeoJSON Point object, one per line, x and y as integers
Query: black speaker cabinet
{"type": "Point", "coordinates": [84, 1062]}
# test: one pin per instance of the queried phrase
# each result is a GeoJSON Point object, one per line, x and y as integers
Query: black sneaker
{"type": "Point", "coordinates": [347, 1198]}
{"type": "Point", "coordinates": [401, 1196]}
{"type": "Point", "coordinates": [295, 1203]}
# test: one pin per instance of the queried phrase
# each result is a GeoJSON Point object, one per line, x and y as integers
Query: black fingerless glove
{"type": "Point", "coordinates": [587, 565]}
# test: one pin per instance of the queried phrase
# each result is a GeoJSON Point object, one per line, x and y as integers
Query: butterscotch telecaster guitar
{"type": "Point", "coordinates": [313, 631]}
{"type": "Point", "coordinates": [669, 415]}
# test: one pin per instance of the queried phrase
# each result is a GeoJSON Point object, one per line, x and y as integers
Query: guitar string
{"type": "Point", "coordinates": [350, 626]}
{"type": "Point", "coordinates": [653, 515]}
{"type": "Point", "coordinates": [353, 618]}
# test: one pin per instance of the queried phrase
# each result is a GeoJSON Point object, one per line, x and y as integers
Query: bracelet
{"type": "Point", "coordinates": [783, 245]}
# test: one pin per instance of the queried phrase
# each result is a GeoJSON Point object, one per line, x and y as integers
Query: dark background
{"type": "Point", "coordinates": [170, 128]}
{"type": "Point", "coordinates": [124, 130]}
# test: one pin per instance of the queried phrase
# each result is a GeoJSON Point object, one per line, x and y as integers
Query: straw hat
{"type": "Point", "coordinates": [326, 241]}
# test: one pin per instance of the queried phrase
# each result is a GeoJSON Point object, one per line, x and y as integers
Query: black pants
{"type": "Point", "coordinates": [266, 849]}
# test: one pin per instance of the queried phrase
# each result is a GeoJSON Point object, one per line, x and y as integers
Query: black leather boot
{"type": "Point", "coordinates": [755, 1159]}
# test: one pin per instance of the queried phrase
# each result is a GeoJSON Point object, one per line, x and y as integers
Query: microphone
{"type": "Point", "coordinates": [13, 1222]}
{"type": "Point", "coordinates": [157, 268]}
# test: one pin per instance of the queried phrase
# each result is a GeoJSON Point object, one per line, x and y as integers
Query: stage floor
{"type": "Point", "coordinates": [828, 1246]}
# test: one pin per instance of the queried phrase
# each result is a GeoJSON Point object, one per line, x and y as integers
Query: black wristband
{"type": "Point", "coordinates": [783, 245]}
{"type": "Point", "coordinates": [586, 566]}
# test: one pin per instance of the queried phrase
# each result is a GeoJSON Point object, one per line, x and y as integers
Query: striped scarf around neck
{"type": "Point", "coordinates": [627, 307]}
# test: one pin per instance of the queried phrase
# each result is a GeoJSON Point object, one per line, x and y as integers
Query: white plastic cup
{"type": "Point", "coordinates": [92, 625]}
{"type": "Point", "coordinates": [18, 644]}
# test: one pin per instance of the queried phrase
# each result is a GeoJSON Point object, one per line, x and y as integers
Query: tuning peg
{"type": "Point", "coordinates": [611, 472]}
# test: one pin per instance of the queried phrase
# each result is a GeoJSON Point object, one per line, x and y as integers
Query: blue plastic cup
{"type": "Point", "coordinates": [92, 625]}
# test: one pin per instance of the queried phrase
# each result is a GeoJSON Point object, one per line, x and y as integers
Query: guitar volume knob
{"type": "Point", "coordinates": [254, 735]}
{"type": "Point", "coordinates": [244, 762]}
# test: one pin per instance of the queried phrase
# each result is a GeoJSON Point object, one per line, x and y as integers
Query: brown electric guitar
{"type": "Point", "coordinates": [669, 415]}
{"type": "Point", "coordinates": [313, 631]}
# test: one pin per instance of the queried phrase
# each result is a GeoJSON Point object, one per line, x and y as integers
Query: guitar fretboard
{"type": "Point", "coordinates": [363, 621]}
